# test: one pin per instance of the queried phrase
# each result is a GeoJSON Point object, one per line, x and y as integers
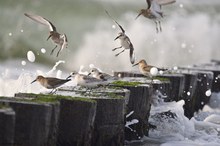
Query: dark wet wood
{"type": "Point", "coordinates": [7, 125]}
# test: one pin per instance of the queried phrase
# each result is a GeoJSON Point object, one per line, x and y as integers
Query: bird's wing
{"type": "Point", "coordinates": [115, 22]}
{"type": "Point", "coordinates": [41, 20]}
{"type": "Point", "coordinates": [165, 2]}
{"type": "Point", "coordinates": [55, 82]}
{"type": "Point", "coordinates": [65, 42]}
{"type": "Point", "coordinates": [131, 54]}
{"type": "Point", "coordinates": [148, 3]}
{"type": "Point", "coordinates": [155, 6]}
{"type": "Point", "coordinates": [89, 79]}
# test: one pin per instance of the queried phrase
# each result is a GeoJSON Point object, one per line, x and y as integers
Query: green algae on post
{"type": "Point", "coordinates": [126, 83]}
{"type": "Point", "coordinates": [162, 79]}
{"type": "Point", "coordinates": [4, 106]}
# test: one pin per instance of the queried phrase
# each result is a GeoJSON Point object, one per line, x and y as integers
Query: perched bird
{"type": "Point", "coordinates": [145, 69]}
{"type": "Point", "coordinates": [50, 83]}
{"type": "Point", "coordinates": [100, 75]}
{"type": "Point", "coordinates": [85, 80]}
{"type": "Point", "coordinates": [125, 42]}
{"type": "Point", "coordinates": [154, 12]}
{"type": "Point", "coordinates": [58, 39]}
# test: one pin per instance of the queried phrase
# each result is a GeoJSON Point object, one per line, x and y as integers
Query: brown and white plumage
{"type": "Point", "coordinates": [50, 82]}
{"type": "Point", "coordinates": [125, 42]}
{"type": "Point", "coordinates": [154, 11]}
{"type": "Point", "coordinates": [145, 68]}
{"type": "Point", "coordinates": [58, 39]}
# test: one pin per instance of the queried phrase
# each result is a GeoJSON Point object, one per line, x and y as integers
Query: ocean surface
{"type": "Point", "coordinates": [190, 35]}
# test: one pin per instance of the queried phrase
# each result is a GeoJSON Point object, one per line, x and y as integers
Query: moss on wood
{"type": "Point", "coordinates": [125, 83]}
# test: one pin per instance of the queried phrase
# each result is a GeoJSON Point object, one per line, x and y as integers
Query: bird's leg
{"type": "Point", "coordinates": [53, 50]}
{"type": "Point", "coordinates": [53, 91]}
{"type": "Point", "coordinates": [160, 26]}
{"type": "Point", "coordinates": [157, 30]}
{"type": "Point", "coordinates": [119, 53]}
{"type": "Point", "coordinates": [116, 48]}
{"type": "Point", "coordinates": [58, 52]}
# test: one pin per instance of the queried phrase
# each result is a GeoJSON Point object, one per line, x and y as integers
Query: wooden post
{"type": "Point", "coordinates": [7, 125]}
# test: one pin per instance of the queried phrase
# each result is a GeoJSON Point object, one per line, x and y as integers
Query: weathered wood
{"type": "Point", "coordinates": [7, 125]}
{"type": "Point", "coordinates": [209, 68]}
{"type": "Point", "coordinates": [204, 80]}
{"type": "Point", "coordinates": [163, 88]}
{"type": "Point", "coordinates": [138, 109]}
{"type": "Point", "coordinates": [189, 93]}
{"type": "Point", "coordinates": [204, 83]}
{"type": "Point", "coordinates": [109, 122]}
{"type": "Point", "coordinates": [76, 122]}
{"type": "Point", "coordinates": [109, 119]}
{"type": "Point", "coordinates": [177, 82]}
{"type": "Point", "coordinates": [53, 130]}
{"type": "Point", "coordinates": [31, 123]}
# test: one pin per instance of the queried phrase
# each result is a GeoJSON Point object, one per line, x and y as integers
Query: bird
{"type": "Point", "coordinates": [145, 69]}
{"type": "Point", "coordinates": [85, 80]}
{"type": "Point", "coordinates": [154, 12]}
{"type": "Point", "coordinates": [50, 82]}
{"type": "Point", "coordinates": [124, 40]}
{"type": "Point", "coordinates": [57, 38]}
{"type": "Point", "coordinates": [100, 75]}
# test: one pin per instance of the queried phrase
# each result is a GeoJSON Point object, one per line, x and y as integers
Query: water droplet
{"type": "Point", "coordinates": [23, 62]}
{"type": "Point", "coordinates": [183, 45]}
{"type": "Point", "coordinates": [208, 92]}
{"type": "Point", "coordinates": [113, 26]}
{"type": "Point", "coordinates": [188, 93]}
{"type": "Point", "coordinates": [153, 71]}
{"type": "Point", "coordinates": [43, 50]}
{"type": "Point", "coordinates": [30, 56]}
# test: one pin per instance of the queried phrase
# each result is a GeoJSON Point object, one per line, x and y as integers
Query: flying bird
{"type": "Point", "coordinates": [154, 11]}
{"type": "Point", "coordinates": [58, 39]}
{"type": "Point", "coordinates": [50, 82]}
{"type": "Point", "coordinates": [124, 40]}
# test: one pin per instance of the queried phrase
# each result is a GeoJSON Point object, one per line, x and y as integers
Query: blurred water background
{"type": "Point", "coordinates": [191, 32]}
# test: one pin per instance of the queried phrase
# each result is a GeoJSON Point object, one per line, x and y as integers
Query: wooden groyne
{"type": "Point", "coordinates": [110, 115]}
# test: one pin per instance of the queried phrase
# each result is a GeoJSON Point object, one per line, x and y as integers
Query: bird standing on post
{"type": "Point", "coordinates": [146, 69]}
{"type": "Point", "coordinates": [125, 42]}
{"type": "Point", "coordinates": [85, 80]}
{"type": "Point", "coordinates": [58, 39]}
{"type": "Point", "coordinates": [50, 83]}
{"type": "Point", "coordinates": [101, 75]}
{"type": "Point", "coordinates": [154, 12]}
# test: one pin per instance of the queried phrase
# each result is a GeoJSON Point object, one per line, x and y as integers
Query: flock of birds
{"type": "Point", "coordinates": [96, 77]}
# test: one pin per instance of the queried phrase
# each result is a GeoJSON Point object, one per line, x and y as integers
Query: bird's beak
{"type": "Point", "coordinates": [33, 81]}
{"type": "Point", "coordinates": [138, 15]}
{"type": "Point", "coordinates": [117, 37]}
{"type": "Point", "coordinates": [135, 64]}
{"type": "Point", "coordinates": [49, 37]}
{"type": "Point", "coordinates": [89, 74]}
{"type": "Point", "coordinates": [69, 77]}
